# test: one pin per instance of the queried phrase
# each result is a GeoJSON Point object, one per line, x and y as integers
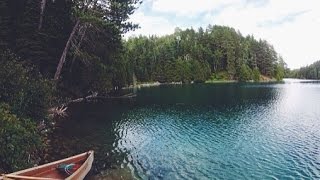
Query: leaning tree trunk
{"type": "Point", "coordinates": [82, 32]}
{"type": "Point", "coordinates": [65, 51]}
{"type": "Point", "coordinates": [42, 7]}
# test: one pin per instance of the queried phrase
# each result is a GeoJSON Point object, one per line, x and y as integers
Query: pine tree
{"type": "Point", "coordinates": [4, 24]}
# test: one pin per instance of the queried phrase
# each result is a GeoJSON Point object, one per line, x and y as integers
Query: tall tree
{"type": "Point", "coordinates": [99, 14]}
{"type": "Point", "coordinates": [180, 56]}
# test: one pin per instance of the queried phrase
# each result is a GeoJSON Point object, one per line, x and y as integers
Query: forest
{"type": "Point", "coordinates": [309, 72]}
{"type": "Point", "coordinates": [52, 51]}
{"type": "Point", "coordinates": [216, 53]}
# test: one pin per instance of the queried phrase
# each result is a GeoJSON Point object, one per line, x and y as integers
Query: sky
{"type": "Point", "coordinates": [291, 26]}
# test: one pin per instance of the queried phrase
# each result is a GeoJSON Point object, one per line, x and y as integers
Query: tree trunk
{"type": "Point", "coordinates": [82, 34]}
{"type": "Point", "coordinates": [65, 51]}
{"type": "Point", "coordinates": [42, 7]}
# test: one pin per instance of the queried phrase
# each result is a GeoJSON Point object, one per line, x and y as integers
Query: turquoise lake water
{"type": "Point", "coordinates": [208, 131]}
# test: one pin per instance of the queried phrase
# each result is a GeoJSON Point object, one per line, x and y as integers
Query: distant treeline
{"type": "Point", "coordinates": [309, 72]}
{"type": "Point", "coordinates": [218, 52]}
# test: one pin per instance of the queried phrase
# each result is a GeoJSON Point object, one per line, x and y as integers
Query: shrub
{"type": "Point", "coordinates": [279, 73]}
{"type": "Point", "coordinates": [245, 73]}
{"type": "Point", "coordinates": [256, 75]}
{"type": "Point", "coordinates": [223, 75]}
{"type": "Point", "coordinates": [27, 96]}
{"type": "Point", "coordinates": [23, 89]}
{"type": "Point", "coordinates": [200, 71]}
{"type": "Point", "coordinates": [18, 142]}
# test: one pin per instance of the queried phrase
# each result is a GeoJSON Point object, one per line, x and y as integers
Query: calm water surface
{"type": "Point", "coordinates": [210, 131]}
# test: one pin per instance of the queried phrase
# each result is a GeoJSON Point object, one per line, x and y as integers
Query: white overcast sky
{"type": "Point", "coordinates": [292, 26]}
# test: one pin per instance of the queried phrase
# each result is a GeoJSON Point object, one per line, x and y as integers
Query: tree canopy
{"type": "Point", "coordinates": [190, 55]}
{"type": "Point", "coordinates": [52, 50]}
{"type": "Point", "coordinates": [308, 72]}
{"type": "Point", "coordinates": [76, 41]}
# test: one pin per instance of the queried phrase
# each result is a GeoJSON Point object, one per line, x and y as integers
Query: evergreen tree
{"type": "Point", "coordinates": [256, 75]}
{"type": "Point", "coordinates": [245, 73]}
{"type": "Point", "coordinates": [219, 49]}
{"type": "Point", "coordinates": [309, 72]}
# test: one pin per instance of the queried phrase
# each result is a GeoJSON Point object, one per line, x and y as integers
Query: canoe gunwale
{"type": "Point", "coordinates": [9, 176]}
{"type": "Point", "coordinates": [84, 169]}
{"type": "Point", "coordinates": [81, 172]}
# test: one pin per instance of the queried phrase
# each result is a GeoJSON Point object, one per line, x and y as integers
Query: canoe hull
{"type": "Point", "coordinates": [50, 171]}
{"type": "Point", "coordinates": [83, 170]}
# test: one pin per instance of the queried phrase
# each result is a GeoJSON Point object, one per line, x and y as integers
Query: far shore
{"type": "Point", "coordinates": [155, 84]}
{"type": "Point", "coordinates": [150, 84]}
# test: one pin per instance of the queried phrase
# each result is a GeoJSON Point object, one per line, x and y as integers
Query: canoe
{"type": "Point", "coordinates": [52, 172]}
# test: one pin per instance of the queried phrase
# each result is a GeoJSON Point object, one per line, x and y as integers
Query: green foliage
{"type": "Point", "coordinates": [98, 64]}
{"type": "Point", "coordinates": [279, 73]}
{"type": "Point", "coordinates": [219, 76]}
{"type": "Point", "coordinates": [245, 73]}
{"type": "Point", "coordinates": [201, 71]}
{"type": "Point", "coordinates": [183, 68]}
{"type": "Point", "coordinates": [96, 43]}
{"type": "Point", "coordinates": [256, 75]}
{"type": "Point", "coordinates": [28, 94]}
{"type": "Point", "coordinates": [217, 49]}
{"type": "Point", "coordinates": [100, 80]}
{"type": "Point", "coordinates": [18, 141]}
{"type": "Point", "coordinates": [309, 72]}
{"type": "Point", "coordinates": [93, 62]}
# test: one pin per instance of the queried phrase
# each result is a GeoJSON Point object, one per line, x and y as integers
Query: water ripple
{"type": "Point", "coordinates": [248, 141]}
{"type": "Point", "coordinates": [220, 132]}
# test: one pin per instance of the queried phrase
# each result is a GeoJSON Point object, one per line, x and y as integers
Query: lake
{"type": "Point", "coordinates": [201, 131]}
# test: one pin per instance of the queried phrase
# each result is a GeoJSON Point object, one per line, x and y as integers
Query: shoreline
{"type": "Point", "coordinates": [151, 84]}
{"type": "Point", "coordinates": [220, 81]}
{"type": "Point", "coordinates": [156, 84]}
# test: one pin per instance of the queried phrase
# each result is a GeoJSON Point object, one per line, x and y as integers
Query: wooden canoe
{"type": "Point", "coordinates": [50, 171]}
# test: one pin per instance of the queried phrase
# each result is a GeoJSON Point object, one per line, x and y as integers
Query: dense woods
{"type": "Point", "coordinates": [75, 42]}
{"type": "Point", "coordinates": [218, 52]}
{"type": "Point", "coordinates": [51, 50]}
{"type": "Point", "coordinates": [309, 72]}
